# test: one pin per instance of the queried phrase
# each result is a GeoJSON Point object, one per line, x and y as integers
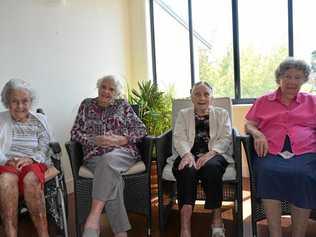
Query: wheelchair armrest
{"type": "Point", "coordinates": [163, 150]}
{"type": "Point", "coordinates": [75, 153]}
{"type": "Point", "coordinates": [55, 157]}
{"type": "Point", "coordinates": [146, 146]}
{"type": "Point", "coordinates": [55, 146]}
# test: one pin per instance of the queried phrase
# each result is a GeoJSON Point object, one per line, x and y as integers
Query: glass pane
{"type": "Point", "coordinates": [263, 44]}
{"type": "Point", "coordinates": [172, 47]}
{"type": "Point", "coordinates": [212, 24]}
{"type": "Point", "coordinates": [305, 38]}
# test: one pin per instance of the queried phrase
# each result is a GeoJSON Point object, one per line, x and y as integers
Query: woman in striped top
{"type": "Point", "coordinates": [24, 140]}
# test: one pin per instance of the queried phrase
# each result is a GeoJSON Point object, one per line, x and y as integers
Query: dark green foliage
{"type": "Point", "coordinates": [154, 106]}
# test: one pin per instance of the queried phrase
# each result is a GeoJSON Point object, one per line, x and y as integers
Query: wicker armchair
{"type": "Point", "coordinates": [232, 190]}
{"type": "Point", "coordinates": [137, 190]}
{"type": "Point", "coordinates": [257, 211]}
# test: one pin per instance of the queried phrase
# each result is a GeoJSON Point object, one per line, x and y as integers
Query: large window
{"type": "Point", "coordinates": [213, 44]}
{"type": "Point", "coordinates": [172, 47]}
{"type": "Point", "coordinates": [234, 44]}
{"type": "Point", "coordinates": [263, 41]}
{"type": "Point", "coordinates": [305, 37]}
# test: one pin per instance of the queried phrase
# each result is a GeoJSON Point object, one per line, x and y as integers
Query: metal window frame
{"type": "Point", "coordinates": [236, 55]}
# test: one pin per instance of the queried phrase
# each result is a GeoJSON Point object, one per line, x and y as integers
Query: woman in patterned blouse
{"type": "Point", "coordinates": [108, 129]}
{"type": "Point", "coordinates": [24, 140]}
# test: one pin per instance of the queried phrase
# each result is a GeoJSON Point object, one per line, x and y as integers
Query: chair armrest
{"type": "Point", "coordinates": [163, 150]}
{"type": "Point", "coordinates": [247, 141]}
{"type": "Point", "coordinates": [146, 147]}
{"type": "Point", "coordinates": [237, 153]}
{"type": "Point", "coordinates": [75, 153]}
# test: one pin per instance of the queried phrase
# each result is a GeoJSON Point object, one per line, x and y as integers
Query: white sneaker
{"type": "Point", "coordinates": [218, 231]}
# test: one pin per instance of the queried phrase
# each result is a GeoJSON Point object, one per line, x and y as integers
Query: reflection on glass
{"type": "Point", "coordinates": [263, 44]}
{"type": "Point", "coordinates": [172, 47]}
{"type": "Point", "coordinates": [212, 25]}
{"type": "Point", "coordinates": [305, 38]}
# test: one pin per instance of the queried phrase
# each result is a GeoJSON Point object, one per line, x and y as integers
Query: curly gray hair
{"type": "Point", "coordinates": [117, 84]}
{"type": "Point", "coordinates": [16, 84]}
{"type": "Point", "coordinates": [294, 63]}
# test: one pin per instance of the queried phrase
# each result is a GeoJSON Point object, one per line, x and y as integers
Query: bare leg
{"type": "Point", "coordinates": [217, 218]}
{"type": "Point", "coordinates": [35, 202]}
{"type": "Point", "coordinates": [299, 220]}
{"type": "Point", "coordinates": [93, 219]}
{"type": "Point", "coordinates": [185, 216]}
{"type": "Point", "coordinates": [121, 234]}
{"type": "Point", "coordinates": [272, 209]}
{"type": "Point", "coordinates": [9, 198]}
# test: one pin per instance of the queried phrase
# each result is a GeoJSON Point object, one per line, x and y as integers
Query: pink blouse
{"type": "Point", "coordinates": [276, 120]}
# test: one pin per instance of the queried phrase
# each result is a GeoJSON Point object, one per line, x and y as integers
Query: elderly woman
{"type": "Point", "coordinates": [24, 140]}
{"type": "Point", "coordinates": [108, 129]}
{"type": "Point", "coordinates": [203, 139]}
{"type": "Point", "coordinates": [283, 124]}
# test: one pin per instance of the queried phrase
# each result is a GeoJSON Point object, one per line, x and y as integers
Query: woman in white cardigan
{"type": "Point", "coordinates": [24, 146]}
{"type": "Point", "coordinates": [203, 139]}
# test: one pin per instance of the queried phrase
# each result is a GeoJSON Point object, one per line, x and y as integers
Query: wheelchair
{"type": "Point", "coordinates": [55, 193]}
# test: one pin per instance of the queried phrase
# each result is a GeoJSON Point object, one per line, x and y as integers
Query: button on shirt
{"type": "Point", "coordinates": [276, 120]}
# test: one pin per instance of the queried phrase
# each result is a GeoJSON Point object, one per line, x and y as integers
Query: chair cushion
{"type": "Point", "coordinates": [138, 167]}
{"type": "Point", "coordinates": [50, 173]}
{"type": "Point", "coordinates": [230, 173]}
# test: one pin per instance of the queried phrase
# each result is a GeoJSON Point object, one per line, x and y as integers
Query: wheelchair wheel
{"type": "Point", "coordinates": [56, 204]}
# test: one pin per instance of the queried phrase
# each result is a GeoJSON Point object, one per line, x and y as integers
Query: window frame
{"type": "Point", "coordinates": [236, 54]}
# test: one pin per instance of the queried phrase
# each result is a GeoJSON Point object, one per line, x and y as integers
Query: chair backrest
{"type": "Point", "coordinates": [178, 104]}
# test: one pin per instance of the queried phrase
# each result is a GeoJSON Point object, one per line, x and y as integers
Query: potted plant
{"type": "Point", "coordinates": [154, 106]}
{"type": "Point", "coordinates": [155, 111]}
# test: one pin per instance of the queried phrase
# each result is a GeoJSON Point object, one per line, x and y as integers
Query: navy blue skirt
{"type": "Point", "coordinates": [292, 180]}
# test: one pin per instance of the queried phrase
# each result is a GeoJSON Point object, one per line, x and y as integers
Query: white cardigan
{"type": "Point", "coordinates": [6, 132]}
{"type": "Point", "coordinates": [220, 132]}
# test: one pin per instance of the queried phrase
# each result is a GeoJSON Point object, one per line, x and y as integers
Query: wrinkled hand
{"type": "Point", "coordinates": [204, 158]}
{"type": "Point", "coordinates": [110, 140]}
{"type": "Point", "coordinates": [261, 145]}
{"type": "Point", "coordinates": [20, 162]}
{"type": "Point", "coordinates": [187, 159]}
{"type": "Point", "coordinates": [11, 162]}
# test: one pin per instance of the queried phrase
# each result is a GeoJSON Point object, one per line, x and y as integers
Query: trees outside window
{"type": "Point", "coordinates": [261, 30]}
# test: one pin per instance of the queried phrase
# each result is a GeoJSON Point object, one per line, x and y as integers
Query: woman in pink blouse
{"type": "Point", "coordinates": [283, 125]}
{"type": "Point", "coordinates": [108, 129]}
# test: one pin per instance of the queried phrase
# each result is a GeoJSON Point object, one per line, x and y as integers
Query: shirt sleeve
{"type": "Point", "coordinates": [78, 132]}
{"type": "Point", "coordinates": [252, 114]}
{"type": "Point", "coordinates": [135, 128]}
{"type": "Point", "coordinates": [181, 141]}
{"type": "Point", "coordinates": [3, 158]}
{"type": "Point", "coordinates": [41, 154]}
{"type": "Point", "coordinates": [224, 142]}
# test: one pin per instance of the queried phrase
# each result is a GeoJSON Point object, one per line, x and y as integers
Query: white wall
{"type": "Point", "coordinates": [61, 47]}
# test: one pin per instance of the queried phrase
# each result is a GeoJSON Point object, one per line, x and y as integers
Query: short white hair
{"type": "Point", "coordinates": [16, 84]}
{"type": "Point", "coordinates": [117, 84]}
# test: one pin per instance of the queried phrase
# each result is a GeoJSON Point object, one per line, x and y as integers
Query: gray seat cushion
{"type": "Point", "coordinates": [230, 173]}
{"type": "Point", "coordinates": [138, 167]}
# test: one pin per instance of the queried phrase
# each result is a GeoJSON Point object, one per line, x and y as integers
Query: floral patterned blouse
{"type": "Point", "coordinates": [118, 118]}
